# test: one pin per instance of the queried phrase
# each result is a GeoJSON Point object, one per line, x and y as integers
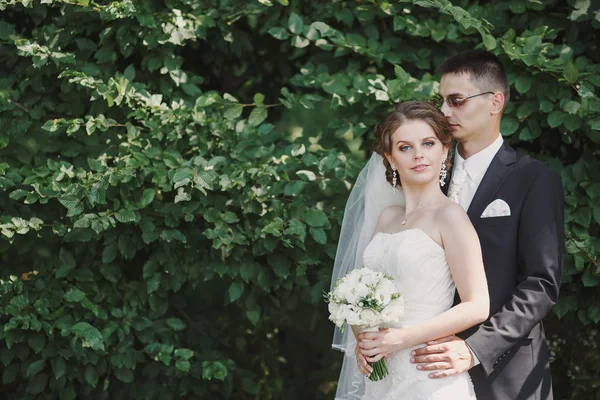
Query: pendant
{"type": "Point", "coordinates": [404, 221]}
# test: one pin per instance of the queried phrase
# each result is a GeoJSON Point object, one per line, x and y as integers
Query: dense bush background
{"type": "Point", "coordinates": [173, 176]}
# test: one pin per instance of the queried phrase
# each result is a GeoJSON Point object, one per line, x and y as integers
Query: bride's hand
{"type": "Point", "coordinates": [376, 345]}
{"type": "Point", "coordinates": [363, 365]}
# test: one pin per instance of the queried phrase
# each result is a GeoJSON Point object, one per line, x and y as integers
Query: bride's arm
{"type": "Point", "coordinates": [463, 253]}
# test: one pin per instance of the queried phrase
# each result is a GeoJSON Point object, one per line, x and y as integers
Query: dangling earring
{"type": "Point", "coordinates": [443, 173]}
{"type": "Point", "coordinates": [394, 180]}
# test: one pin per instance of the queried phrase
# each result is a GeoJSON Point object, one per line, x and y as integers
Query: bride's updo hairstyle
{"type": "Point", "coordinates": [411, 111]}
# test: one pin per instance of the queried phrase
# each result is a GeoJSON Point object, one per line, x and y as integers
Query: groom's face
{"type": "Point", "coordinates": [468, 117]}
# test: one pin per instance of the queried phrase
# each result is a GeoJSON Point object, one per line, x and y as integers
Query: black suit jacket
{"type": "Point", "coordinates": [522, 254]}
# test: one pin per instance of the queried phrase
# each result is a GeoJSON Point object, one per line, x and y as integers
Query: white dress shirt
{"type": "Point", "coordinates": [476, 166]}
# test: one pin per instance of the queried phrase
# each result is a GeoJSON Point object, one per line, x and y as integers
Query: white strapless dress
{"type": "Point", "coordinates": [420, 270]}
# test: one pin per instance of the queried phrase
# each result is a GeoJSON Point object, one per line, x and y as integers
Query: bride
{"type": "Point", "coordinates": [425, 242]}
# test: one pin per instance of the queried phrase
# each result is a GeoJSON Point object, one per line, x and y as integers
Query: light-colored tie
{"type": "Point", "coordinates": [459, 177]}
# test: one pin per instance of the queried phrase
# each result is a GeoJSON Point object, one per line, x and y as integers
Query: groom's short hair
{"type": "Point", "coordinates": [485, 70]}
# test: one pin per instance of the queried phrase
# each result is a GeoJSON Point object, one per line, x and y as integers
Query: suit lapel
{"type": "Point", "coordinates": [495, 175]}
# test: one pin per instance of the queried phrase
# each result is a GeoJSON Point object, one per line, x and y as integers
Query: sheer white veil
{"type": "Point", "coordinates": [370, 195]}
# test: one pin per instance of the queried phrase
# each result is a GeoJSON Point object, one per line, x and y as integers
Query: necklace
{"type": "Point", "coordinates": [406, 215]}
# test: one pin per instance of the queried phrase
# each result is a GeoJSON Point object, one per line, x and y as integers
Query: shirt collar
{"type": "Point", "coordinates": [478, 163]}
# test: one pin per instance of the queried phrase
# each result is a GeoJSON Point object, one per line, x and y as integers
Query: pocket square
{"type": "Point", "coordinates": [497, 208]}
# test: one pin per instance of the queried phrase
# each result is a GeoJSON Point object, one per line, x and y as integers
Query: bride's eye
{"type": "Point", "coordinates": [404, 148]}
{"type": "Point", "coordinates": [429, 143]}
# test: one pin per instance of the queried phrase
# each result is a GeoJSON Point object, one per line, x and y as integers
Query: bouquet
{"type": "Point", "coordinates": [365, 298]}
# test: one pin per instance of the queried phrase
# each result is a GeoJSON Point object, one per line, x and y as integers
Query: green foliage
{"type": "Point", "coordinates": [173, 176]}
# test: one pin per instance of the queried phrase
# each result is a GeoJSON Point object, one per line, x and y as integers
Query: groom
{"type": "Point", "coordinates": [516, 206]}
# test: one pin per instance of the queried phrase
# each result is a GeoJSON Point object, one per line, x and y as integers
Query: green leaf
{"type": "Point", "coordinates": [570, 72]}
{"type": "Point", "coordinates": [259, 99]}
{"type": "Point", "coordinates": [74, 295]}
{"type": "Point", "coordinates": [147, 197]}
{"type": "Point", "coordinates": [91, 375]}
{"type": "Point", "coordinates": [571, 107]}
{"type": "Point", "coordinates": [300, 42]}
{"type": "Point", "coordinates": [508, 126]}
{"type": "Point", "coordinates": [35, 367]}
{"type": "Point", "coordinates": [253, 316]}
{"type": "Point", "coordinates": [10, 373]}
{"type": "Point", "coordinates": [593, 190]}
{"type": "Point", "coordinates": [565, 304]}
{"type": "Point", "coordinates": [175, 323]}
{"type": "Point", "coordinates": [315, 218]}
{"type": "Point", "coordinates": [125, 215]}
{"type": "Point", "coordinates": [235, 291]}
{"type": "Point", "coordinates": [58, 366]}
{"type": "Point", "coordinates": [124, 375]}
{"type": "Point", "coordinates": [489, 42]}
{"type": "Point", "coordinates": [546, 106]}
{"type": "Point", "coordinates": [258, 115]}
{"type": "Point", "coordinates": [280, 264]}
{"type": "Point", "coordinates": [318, 235]}
{"type": "Point", "coordinates": [37, 384]}
{"type": "Point", "coordinates": [90, 335]}
{"type": "Point", "coordinates": [295, 23]}
{"type": "Point", "coordinates": [184, 354]}
{"type": "Point", "coordinates": [109, 253]}
{"type": "Point", "coordinates": [572, 122]}
{"type": "Point", "coordinates": [233, 111]}
{"type": "Point", "coordinates": [589, 279]}
{"type": "Point", "coordinates": [523, 83]}
{"type": "Point", "coordinates": [182, 365]}
{"type": "Point", "coordinates": [37, 341]}
{"type": "Point", "coordinates": [583, 216]}
{"type": "Point", "coordinates": [526, 109]}
{"type": "Point", "coordinates": [278, 33]}
{"type": "Point", "coordinates": [214, 370]}
{"type": "Point", "coordinates": [67, 263]}
{"type": "Point", "coordinates": [294, 188]}
{"type": "Point", "coordinates": [555, 118]}
{"type": "Point", "coordinates": [153, 283]}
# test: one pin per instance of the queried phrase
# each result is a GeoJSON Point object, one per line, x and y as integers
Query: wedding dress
{"type": "Point", "coordinates": [420, 271]}
{"type": "Point", "coordinates": [419, 268]}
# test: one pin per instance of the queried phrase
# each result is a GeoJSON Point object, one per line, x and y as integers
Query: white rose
{"type": "Point", "coordinates": [370, 277]}
{"type": "Point", "coordinates": [337, 314]}
{"type": "Point", "coordinates": [384, 291]}
{"type": "Point", "coordinates": [362, 290]}
{"type": "Point", "coordinates": [342, 290]}
{"type": "Point", "coordinates": [333, 307]}
{"type": "Point", "coordinates": [395, 310]}
{"type": "Point", "coordinates": [351, 315]}
{"type": "Point", "coordinates": [352, 297]}
{"type": "Point", "coordinates": [369, 317]}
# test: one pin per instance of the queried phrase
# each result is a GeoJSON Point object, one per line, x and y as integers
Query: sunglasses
{"type": "Point", "coordinates": [455, 100]}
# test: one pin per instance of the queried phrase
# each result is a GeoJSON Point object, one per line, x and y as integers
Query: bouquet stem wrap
{"type": "Point", "coordinates": [380, 369]}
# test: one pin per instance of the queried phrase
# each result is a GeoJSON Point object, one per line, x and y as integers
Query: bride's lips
{"type": "Point", "coordinates": [420, 168]}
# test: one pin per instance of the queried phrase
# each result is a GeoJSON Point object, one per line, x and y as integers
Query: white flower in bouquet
{"type": "Point", "coordinates": [385, 290]}
{"type": "Point", "coordinates": [369, 277]}
{"type": "Point", "coordinates": [365, 298]}
{"type": "Point", "coordinates": [394, 311]}
{"type": "Point", "coordinates": [369, 317]}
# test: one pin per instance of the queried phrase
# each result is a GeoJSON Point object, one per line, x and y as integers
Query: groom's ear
{"type": "Point", "coordinates": [497, 103]}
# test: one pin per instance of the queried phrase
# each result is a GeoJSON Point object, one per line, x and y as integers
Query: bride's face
{"type": "Point", "coordinates": [416, 153]}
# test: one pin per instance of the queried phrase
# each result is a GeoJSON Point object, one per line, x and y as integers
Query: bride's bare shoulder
{"type": "Point", "coordinates": [452, 215]}
{"type": "Point", "coordinates": [392, 212]}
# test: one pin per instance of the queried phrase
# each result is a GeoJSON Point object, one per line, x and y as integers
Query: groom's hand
{"type": "Point", "coordinates": [447, 356]}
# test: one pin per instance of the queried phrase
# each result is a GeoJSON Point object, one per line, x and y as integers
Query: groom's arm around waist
{"type": "Point", "coordinates": [540, 249]}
